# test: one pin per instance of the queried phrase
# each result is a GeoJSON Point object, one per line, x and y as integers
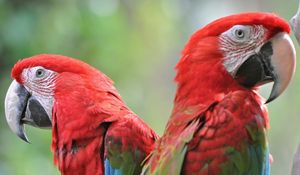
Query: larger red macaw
{"type": "Point", "coordinates": [93, 131]}
{"type": "Point", "coordinates": [219, 122]}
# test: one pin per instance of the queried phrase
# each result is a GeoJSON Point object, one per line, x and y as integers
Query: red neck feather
{"type": "Point", "coordinates": [82, 108]}
{"type": "Point", "coordinates": [201, 75]}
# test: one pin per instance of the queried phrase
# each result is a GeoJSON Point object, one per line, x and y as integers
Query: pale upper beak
{"type": "Point", "coordinates": [283, 62]}
{"type": "Point", "coordinates": [23, 108]}
{"type": "Point", "coordinates": [275, 62]}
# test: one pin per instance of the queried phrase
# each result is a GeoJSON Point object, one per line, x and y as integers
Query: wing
{"type": "Point", "coordinates": [127, 143]}
{"type": "Point", "coordinates": [167, 158]}
{"type": "Point", "coordinates": [228, 137]}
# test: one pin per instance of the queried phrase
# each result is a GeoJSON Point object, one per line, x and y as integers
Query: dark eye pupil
{"type": "Point", "coordinates": [240, 33]}
{"type": "Point", "coordinates": [39, 73]}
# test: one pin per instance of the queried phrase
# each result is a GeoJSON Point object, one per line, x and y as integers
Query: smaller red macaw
{"type": "Point", "coordinates": [93, 131]}
{"type": "Point", "coordinates": [219, 122]}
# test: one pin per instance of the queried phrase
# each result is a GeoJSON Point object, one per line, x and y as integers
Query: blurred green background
{"type": "Point", "coordinates": [137, 44]}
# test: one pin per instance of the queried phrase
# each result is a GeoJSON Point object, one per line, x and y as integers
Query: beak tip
{"type": "Point", "coordinates": [24, 138]}
{"type": "Point", "coordinates": [275, 92]}
{"type": "Point", "coordinates": [22, 135]}
{"type": "Point", "coordinates": [269, 100]}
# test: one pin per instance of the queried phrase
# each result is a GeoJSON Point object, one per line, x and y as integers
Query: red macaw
{"type": "Point", "coordinates": [93, 131]}
{"type": "Point", "coordinates": [219, 122]}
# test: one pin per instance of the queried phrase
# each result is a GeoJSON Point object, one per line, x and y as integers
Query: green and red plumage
{"type": "Point", "coordinates": [218, 125]}
{"type": "Point", "coordinates": [93, 131]}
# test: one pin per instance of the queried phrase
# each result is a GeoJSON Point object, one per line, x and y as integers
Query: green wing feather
{"type": "Point", "coordinates": [227, 138]}
{"type": "Point", "coordinates": [127, 144]}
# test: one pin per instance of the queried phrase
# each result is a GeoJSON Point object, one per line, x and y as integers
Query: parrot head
{"type": "Point", "coordinates": [44, 81]}
{"type": "Point", "coordinates": [242, 51]}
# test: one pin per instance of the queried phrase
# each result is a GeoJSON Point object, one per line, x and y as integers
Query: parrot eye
{"type": "Point", "coordinates": [239, 33]}
{"type": "Point", "coordinates": [39, 73]}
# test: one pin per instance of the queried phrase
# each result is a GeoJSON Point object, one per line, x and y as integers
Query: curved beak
{"type": "Point", "coordinates": [283, 62]}
{"type": "Point", "coordinates": [23, 108]}
{"type": "Point", "coordinates": [275, 62]}
{"type": "Point", "coordinates": [15, 104]}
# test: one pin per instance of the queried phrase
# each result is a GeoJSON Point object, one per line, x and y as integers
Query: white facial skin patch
{"type": "Point", "coordinates": [240, 42]}
{"type": "Point", "coordinates": [40, 83]}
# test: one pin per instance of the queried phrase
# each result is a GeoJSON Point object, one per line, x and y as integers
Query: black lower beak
{"type": "Point", "coordinates": [35, 114]}
{"type": "Point", "coordinates": [23, 108]}
{"type": "Point", "coordinates": [257, 69]}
